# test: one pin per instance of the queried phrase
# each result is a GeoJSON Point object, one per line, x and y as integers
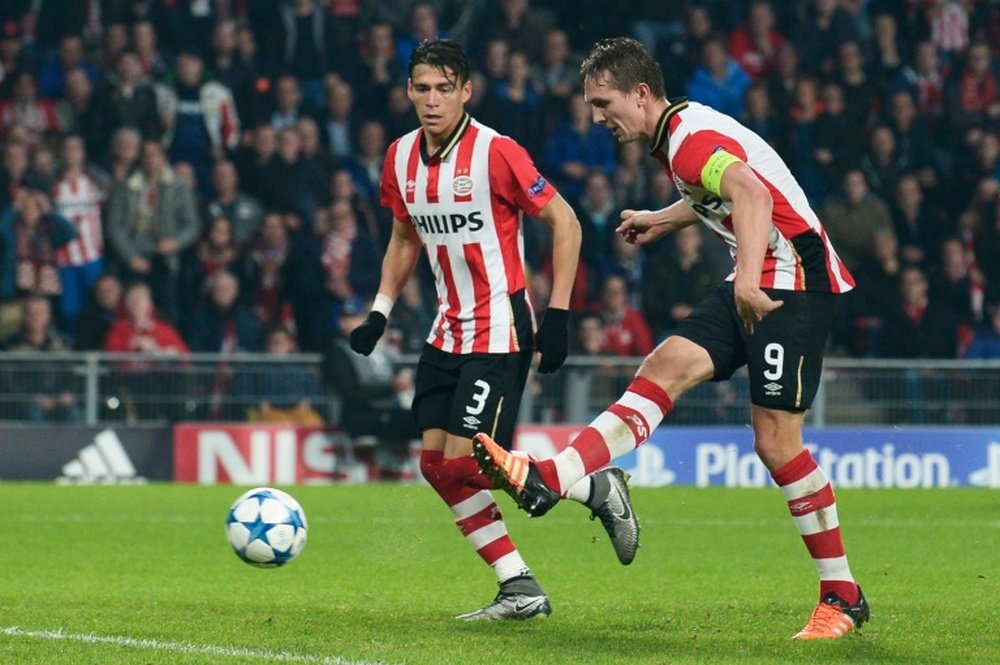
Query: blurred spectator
{"type": "Point", "coordinates": [972, 94]}
{"type": "Point", "coordinates": [865, 309]}
{"type": "Point", "coordinates": [380, 69]}
{"type": "Point", "coordinates": [598, 215]}
{"type": "Point", "coordinates": [858, 89]}
{"type": "Point", "coordinates": [220, 322]}
{"type": "Point", "coordinates": [853, 219]}
{"type": "Point", "coordinates": [986, 344]}
{"type": "Point", "coordinates": [520, 25]}
{"type": "Point", "coordinates": [888, 59]}
{"type": "Point", "coordinates": [349, 256]}
{"type": "Point", "coordinates": [30, 236]}
{"type": "Point", "coordinates": [144, 40]}
{"type": "Point", "coordinates": [287, 103]}
{"type": "Point", "coordinates": [421, 24]}
{"type": "Point", "coordinates": [313, 148]}
{"type": "Point", "coordinates": [631, 178]}
{"type": "Point", "coordinates": [114, 43]}
{"type": "Point", "coordinates": [126, 144]}
{"type": "Point", "coordinates": [81, 112]}
{"type": "Point", "coordinates": [375, 396]}
{"type": "Point", "coordinates": [959, 286]}
{"type": "Point", "coordinates": [399, 116]}
{"type": "Point", "coordinates": [925, 82]}
{"type": "Point", "coordinates": [290, 181]}
{"type": "Point", "coordinates": [718, 81]}
{"type": "Point", "coordinates": [576, 148]}
{"type": "Point", "coordinates": [376, 223]}
{"type": "Point", "coordinates": [243, 210]}
{"type": "Point", "coordinates": [27, 109]}
{"type": "Point", "coordinates": [366, 164]}
{"type": "Point", "coordinates": [102, 310]}
{"type": "Point", "coordinates": [285, 392]}
{"type": "Point", "coordinates": [139, 329]}
{"type": "Point", "coordinates": [266, 256]}
{"type": "Point", "coordinates": [838, 141]}
{"type": "Point", "coordinates": [824, 26]}
{"type": "Point", "coordinates": [151, 220]}
{"type": "Point", "coordinates": [803, 140]}
{"type": "Point", "coordinates": [200, 118]}
{"type": "Point", "coordinates": [626, 330]}
{"type": "Point", "coordinates": [628, 260]}
{"type": "Point", "coordinates": [949, 26]}
{"type": "Point", "coordinates": [230, 68]}
{"type": "Point", "coordinates": [338, 119]}
{"type": "Point", "coordinates": [919, 231]}
{"type": "Point", "coordinates": [78, 195]}
{"type": "Point", "coordinates": [14, 57]}
{"type": "Point", "coordinates": [782, 80]}
{"type": "Point", "coordinates": [882, 163]}
{"type": "Point", "coordinates": [253, 161]}
{"type": "Point", "coordinates": [753, 45]}
{"type": "Point", "coordinates": [558, 72]}
{"type": "Point", "coordinates": [412, 317]}
{"type": "Point", "coordinates": [45, 384]}
{"type": "Point", "coordinates": [129, 100]}
{"type": "Point", "coordinates": [215, 251]}
{"type": "Point", "coordinates": [513, 106]}
{"type": "Point", "coordinates": [677, 278]}
{"type": "Point", "coordinates": [913, 138]}
{"type": "Point", "coordinates": [68, 57]}
{"type": "Point", "coordinates": [760, 116]}
{"type": "Point", "coordinates": [304, 47]}
{"type": "Point", "coordinates": [683, 54]}
{"type": "Point", "coordinates": [919, 326]}
{"type": "Point", "coordinates": [13, 171]}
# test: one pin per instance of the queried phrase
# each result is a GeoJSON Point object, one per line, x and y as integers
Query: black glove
{"type": "Point", "coordinates": [365, 336]}
{"type": "Point", "coordinates": [552, 340]}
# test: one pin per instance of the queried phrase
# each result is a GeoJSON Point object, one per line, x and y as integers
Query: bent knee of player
{"type": "Point", "coordinates": [677, 365]}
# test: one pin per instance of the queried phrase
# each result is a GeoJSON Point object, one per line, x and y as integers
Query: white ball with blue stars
{"type": "Point", "coordinates": [266, 527]}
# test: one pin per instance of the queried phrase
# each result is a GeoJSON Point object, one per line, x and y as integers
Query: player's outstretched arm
{"type": "Point", "coordinates": [645, 226]}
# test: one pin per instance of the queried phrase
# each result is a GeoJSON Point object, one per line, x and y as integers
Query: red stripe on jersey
{"type": "Point", "coordinates": [433, 173]}
{"type": "Point", "coordinates": [411, 171]}
{"type": "Point", "coordinates": [454, 302]}
{"type": "Point", "coordinates": [825, 544]}
{"type": "Point", "coordinates": [767, 271]}
{"type": "Point", "coordinates": [481, 289]}
{"type": "Point", "coordinates": [822, 498]}
{"type": "Point", "coordinates": [844, 274]}
{"type": "Point", "coordinates": [463, 161]}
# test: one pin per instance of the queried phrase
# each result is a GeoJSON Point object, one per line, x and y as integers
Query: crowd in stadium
{"type": "Point", "coordinates": [200, 175]}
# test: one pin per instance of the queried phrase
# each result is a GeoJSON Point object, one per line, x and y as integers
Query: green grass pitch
{"type": "Point", "coordinates": [144, 574]}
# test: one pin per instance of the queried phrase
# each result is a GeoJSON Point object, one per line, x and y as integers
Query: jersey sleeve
{"type": "Point", "coordinates": [389, 194]}
{"type": "Point", "coordinates": [515, 179]}
{"type": "Point", "coordinates": [704, 156]}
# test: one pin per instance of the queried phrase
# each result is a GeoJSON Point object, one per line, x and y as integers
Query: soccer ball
{"type": "Point", "coordinates": [266, 527]}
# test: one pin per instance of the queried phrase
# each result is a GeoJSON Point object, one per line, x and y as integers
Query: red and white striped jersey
{"type": "Point", "coordinates": [800, 256]}
{"type": "Point", "coordinates": [466, 204]}
{"type": "Point", "coordinates": [79, 200]}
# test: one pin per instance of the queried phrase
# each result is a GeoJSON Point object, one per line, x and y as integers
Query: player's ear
{"type": "Point", "coordinates": [466, 91]}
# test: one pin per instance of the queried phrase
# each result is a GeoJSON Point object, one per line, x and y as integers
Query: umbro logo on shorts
{"type": "Point", "coordinates": [773, 388]}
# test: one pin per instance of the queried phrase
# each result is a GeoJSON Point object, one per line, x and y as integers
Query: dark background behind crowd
{"type": "Point", "coordinates": [226, 155]}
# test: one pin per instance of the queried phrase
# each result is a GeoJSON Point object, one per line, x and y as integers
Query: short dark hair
{"type": "Point", "coordinates": [626, 63]}
{"type": "Point", "coordinates": [443, 54]}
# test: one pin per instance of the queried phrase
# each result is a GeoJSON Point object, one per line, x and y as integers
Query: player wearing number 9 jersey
{"type": "Point", "coordinates": [773, 314]}
{"type": "Point", "coordinates": [458, 190]}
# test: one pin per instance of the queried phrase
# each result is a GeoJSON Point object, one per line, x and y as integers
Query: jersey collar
{"type": "Point", "coordinates": [662, 133]}
{"type": "Point", "coordinates": [448, 145]}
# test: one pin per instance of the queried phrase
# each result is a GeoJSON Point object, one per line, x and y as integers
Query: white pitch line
{"type": "Point", "coordinates": [180, 647]}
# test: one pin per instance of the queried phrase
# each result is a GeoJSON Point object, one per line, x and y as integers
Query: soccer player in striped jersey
{"type": "Point", "coordinates": [458, 189]}
{"type": "Point", "coordinates": [773, 313]}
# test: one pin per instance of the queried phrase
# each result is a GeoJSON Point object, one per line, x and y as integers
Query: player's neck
{"type": "Point", "coordinates": [654, 112]}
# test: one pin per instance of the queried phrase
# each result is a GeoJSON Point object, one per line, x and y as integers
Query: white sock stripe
{"type": "Point", "coordinates": [569, 468]}
{"type": "Point", "coordinates": [509, 565]}
{"type": "Point", "coordinates": [485, 535]}
{"type": "Point", "coordinates": [824, 519]}
{"type": "Point", "coordinates": [812, 483]}
{"type": "Point", "coordinates": [617, 435]}
{"type": "Point", "coordinates": [835, 569]}
{"type": "Point", "coordinates": [649, 409]}
{"type": "Point", "coordinates": [472, 505]}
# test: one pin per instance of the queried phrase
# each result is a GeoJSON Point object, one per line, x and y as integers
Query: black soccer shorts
{"type": "Point", "coordinates": [471, 393]}
{"type": "Point", "coordinates": [784, 356]}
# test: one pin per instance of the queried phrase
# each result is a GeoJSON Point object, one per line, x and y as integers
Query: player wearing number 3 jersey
{"type": "Point", "coordinates": [772, 314]}
{"type": "Point", "coordinates": [458, 189]}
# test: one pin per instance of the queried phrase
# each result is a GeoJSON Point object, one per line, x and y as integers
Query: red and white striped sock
{"type": "Point", "coordinates": [477, 515]}
{"type": "Point", "coordinates": [814, 508]}
{"type": "Point", "coordinates": [622, 428]}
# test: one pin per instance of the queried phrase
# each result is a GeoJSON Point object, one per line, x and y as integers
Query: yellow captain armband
{"type": "Point", "coordinates": [711, 173]}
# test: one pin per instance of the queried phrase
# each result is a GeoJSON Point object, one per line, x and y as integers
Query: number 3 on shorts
{"type": "Point", "coordinates": [774, 355]}
{"type": "Point", "coordinates": [478, 398]}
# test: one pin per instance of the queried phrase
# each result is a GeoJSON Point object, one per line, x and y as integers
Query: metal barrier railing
{"type": "Point", "coordinates": [98, 388]}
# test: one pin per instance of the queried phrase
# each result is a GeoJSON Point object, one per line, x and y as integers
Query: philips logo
{"type": "Point", "coordinates": [452, 223]}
